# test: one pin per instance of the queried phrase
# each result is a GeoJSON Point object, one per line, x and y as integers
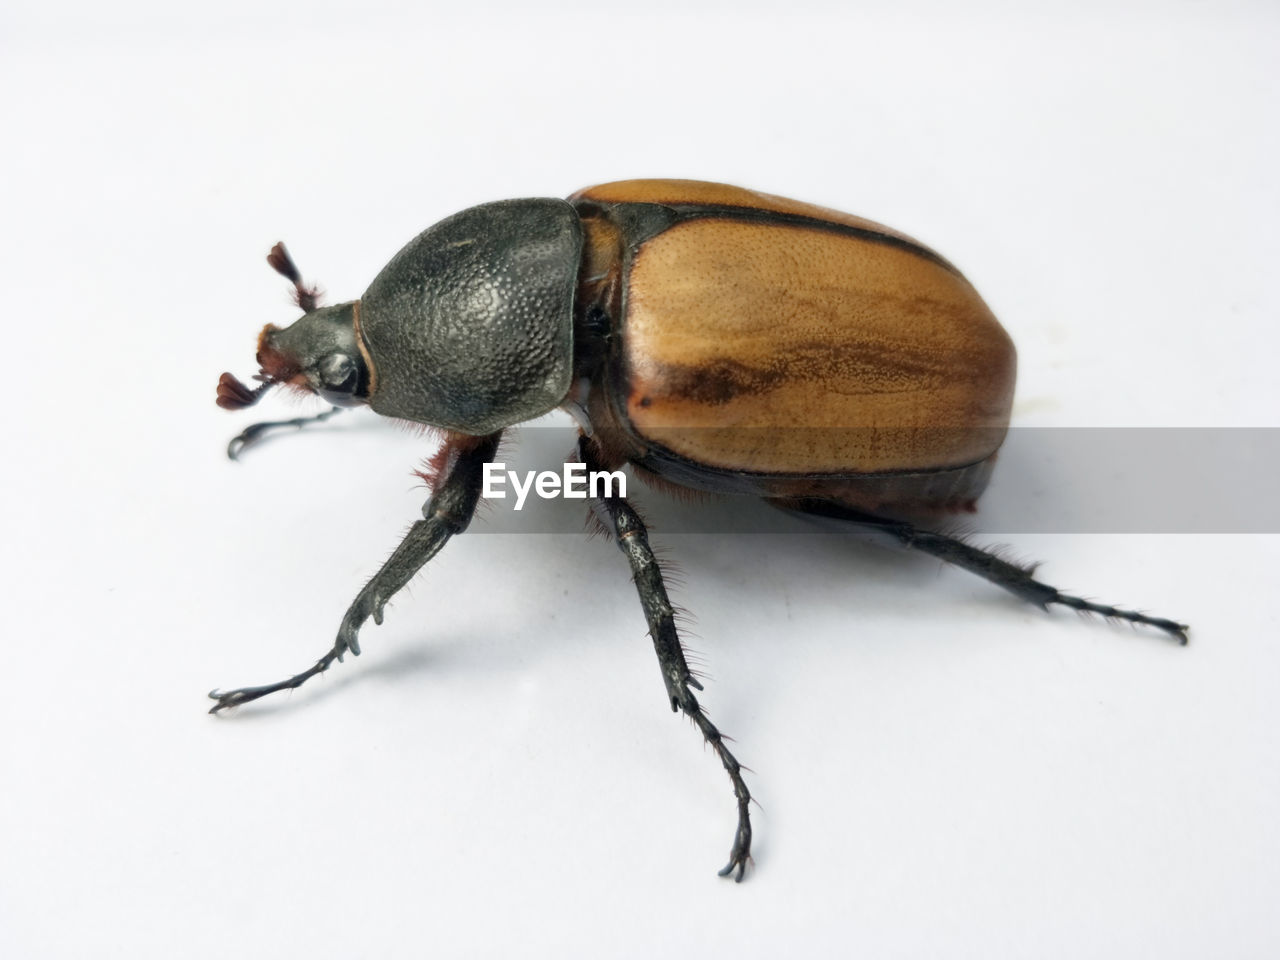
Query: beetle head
{"type": "Point", "coordinates": [318, 353]}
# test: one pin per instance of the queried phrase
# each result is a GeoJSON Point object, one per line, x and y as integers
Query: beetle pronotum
{"type": "Point", "coordinates": [702, 333]}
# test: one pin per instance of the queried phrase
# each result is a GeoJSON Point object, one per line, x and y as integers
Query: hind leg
{"type": "Point", "coordinates": [1016, 579]}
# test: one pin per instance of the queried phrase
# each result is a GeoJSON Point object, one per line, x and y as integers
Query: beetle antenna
{"type": "Point", "coordinates": [307, 297]}
{"type": "Point", "coordinates": [234, 395]}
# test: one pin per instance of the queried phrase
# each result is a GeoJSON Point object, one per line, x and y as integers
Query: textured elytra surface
{"type": "Point", "coordinates": [470, 326]}
{"type": "Point", "coordinates": [683, 193]}
{"type": "Point", "coordinates": [785, 349]}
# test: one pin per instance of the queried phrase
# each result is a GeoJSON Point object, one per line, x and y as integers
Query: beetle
{"type": "Point", "coordinates": [713, 338]}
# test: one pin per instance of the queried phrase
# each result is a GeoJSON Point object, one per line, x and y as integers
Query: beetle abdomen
{"type": "Point", "coordinates": [790, 340]}
{"type": "Point", "coordinates": [470, 326]}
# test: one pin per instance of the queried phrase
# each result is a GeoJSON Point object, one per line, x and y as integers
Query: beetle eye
{"type": "Point", "coordinates": [338, 376]}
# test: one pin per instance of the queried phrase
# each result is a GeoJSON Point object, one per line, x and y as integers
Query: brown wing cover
{"type": "Point", "coordinates": [786, 348]}
{"type": "Point", "coordinates": [682, 192]}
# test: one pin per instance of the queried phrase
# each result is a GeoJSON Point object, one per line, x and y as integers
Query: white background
{"type": "Point", "coordinates": [941, 771]}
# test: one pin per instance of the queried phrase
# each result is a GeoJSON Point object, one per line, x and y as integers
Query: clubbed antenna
{"type": "Point", "coordinates": [234, 395]}
{"type": "Point", "coordinates": [307, 297]}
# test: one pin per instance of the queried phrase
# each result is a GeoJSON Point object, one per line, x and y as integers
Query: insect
{"type": "Point", "coordinates": [711, 337]}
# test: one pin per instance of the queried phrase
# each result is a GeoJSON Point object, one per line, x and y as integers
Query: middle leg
{"type": "Point", "coordinates": [629, 532]}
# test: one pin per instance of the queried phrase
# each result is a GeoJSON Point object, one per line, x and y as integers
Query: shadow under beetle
{"type": "Point", "coordinates": [712, 337]}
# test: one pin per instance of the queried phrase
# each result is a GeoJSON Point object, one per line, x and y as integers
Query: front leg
{"type": "Point", "coordinates": [253, 433]}
{"type": "Point", "coordinates": [633, 540]}
{"type": "Point", "coordinates": [449, 511]}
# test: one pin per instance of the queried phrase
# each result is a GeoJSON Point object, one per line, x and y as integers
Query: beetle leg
{"type": "Point", "coordinates": [253, 433]}
{"type": "Point", "coordinates": [629, 532]}
{"type": "Point", "coordinates": [1016, 579]}
{"type": "Point", "coordinates": [448, 512]}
